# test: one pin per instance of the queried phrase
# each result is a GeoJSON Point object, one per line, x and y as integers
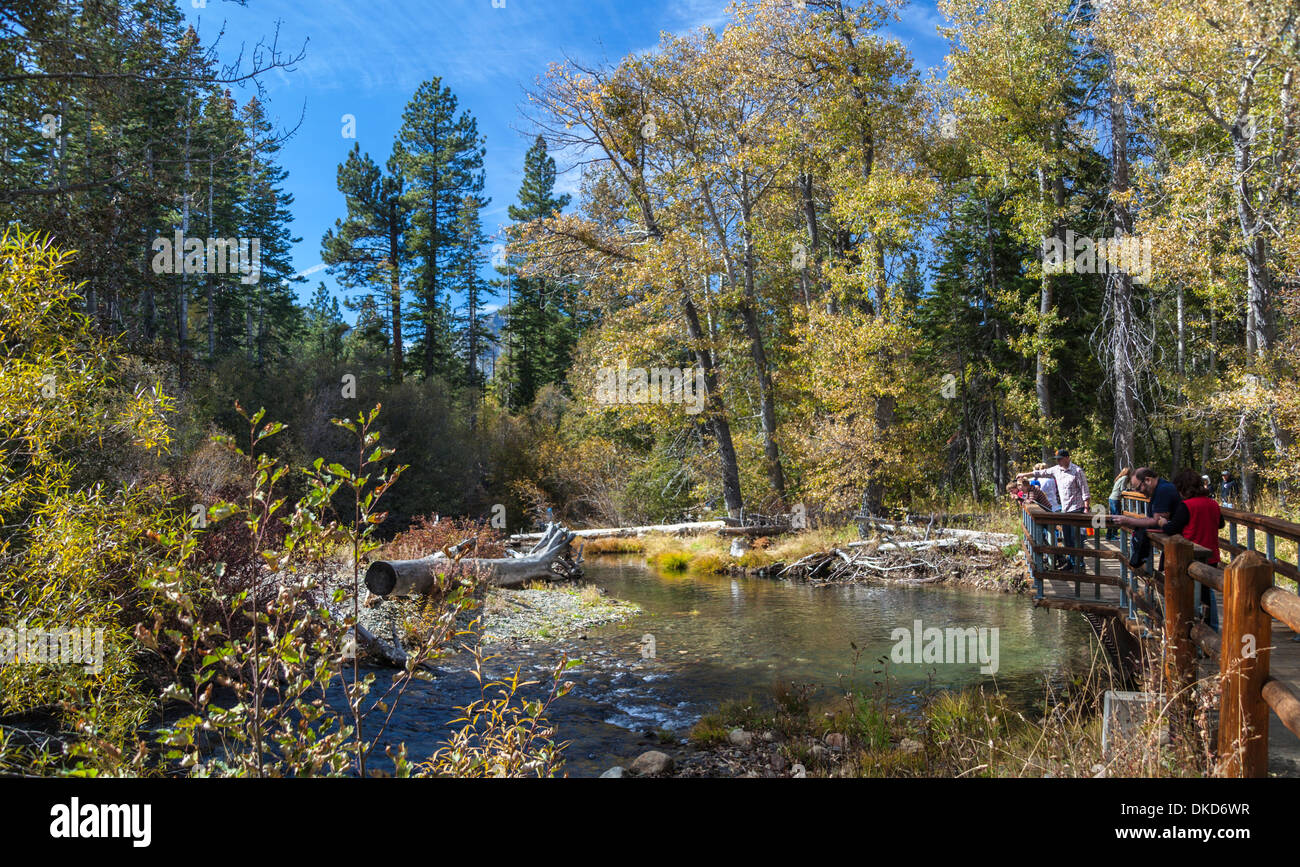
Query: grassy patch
{"type": "Point", "coordinates": [613, 545]}
{"type": "Point", "coordinates": [671, 561]}
{"type": "Point", "coordinates": [713, 728]}
{"type": "Point", "coordinates": [710, 564]}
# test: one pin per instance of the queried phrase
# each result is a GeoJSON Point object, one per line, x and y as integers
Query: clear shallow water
{"type": "Point", "coordinates": [718, 638]}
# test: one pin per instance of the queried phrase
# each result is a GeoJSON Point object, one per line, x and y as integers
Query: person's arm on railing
{"type": "Point", "coordinates": [1152, 523]}
{"type": "Point", "coordinates": [1175, 525]}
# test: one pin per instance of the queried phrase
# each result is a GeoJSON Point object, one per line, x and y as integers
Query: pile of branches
{"type": "Point", "coordinates": [840, 564]}
{"type": "Point", "coordinates": [915, 562]}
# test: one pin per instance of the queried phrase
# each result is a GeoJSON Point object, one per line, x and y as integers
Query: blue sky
{"type": "Point", "coordinates": [366, 58]}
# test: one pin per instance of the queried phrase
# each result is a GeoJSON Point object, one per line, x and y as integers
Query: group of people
{"type": "Point", "coordinates": [1061, 487]}
{"type": "Point", "coordinates": [1184, 507]}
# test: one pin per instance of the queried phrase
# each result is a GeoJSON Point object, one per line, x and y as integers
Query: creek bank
{"type": "Point", "coordinates": [765, 754]}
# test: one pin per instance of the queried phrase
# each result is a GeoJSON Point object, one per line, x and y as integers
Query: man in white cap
{"type": "Point", "coordinates": [1227, 490]}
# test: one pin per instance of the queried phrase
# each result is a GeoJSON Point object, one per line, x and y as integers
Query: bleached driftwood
{"type": "Point", "coordinates": [980, 539]}
{"type": "Point", "coordinates": [690, 527]}
{"type": "Point", "coordinates": [389, 652]}
{"type": "Point", "coordinates": [547, 560]}
{"type": "Point", "coordinates": [912, 546]}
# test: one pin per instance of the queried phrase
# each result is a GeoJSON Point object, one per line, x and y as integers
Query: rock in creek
{"type": "Point", "coordinates": [740, 738]}
{"type": "Point", "coordinates": [651, 763]}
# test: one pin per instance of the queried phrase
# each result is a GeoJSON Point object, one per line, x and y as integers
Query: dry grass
{"type": "Point", "coordinates": [791, 547]}
{"type": "Point", "coordinates": [428, 535]}
{"type": "Point", "coordinates": [971, 733]}
{"type": "Point", "coordinates": [613, 545]}
{"type": "Point", "coordinates": [711, 554]}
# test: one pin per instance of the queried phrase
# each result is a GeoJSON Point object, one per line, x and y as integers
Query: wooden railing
{"type": "Point", "coordinates": [1158, 604]}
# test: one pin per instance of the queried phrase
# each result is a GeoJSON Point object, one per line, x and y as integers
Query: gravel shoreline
{"type": "Point", "coordinates": [512, 616]}
{"type": "Point", "coordinates": [536, 615]}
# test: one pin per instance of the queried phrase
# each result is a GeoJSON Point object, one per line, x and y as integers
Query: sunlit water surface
{"type": "Point", "coordinates": [717, 638]}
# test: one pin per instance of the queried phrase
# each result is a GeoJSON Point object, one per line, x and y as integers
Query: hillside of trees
{"type": "Point", "coordinates": [853, 254]}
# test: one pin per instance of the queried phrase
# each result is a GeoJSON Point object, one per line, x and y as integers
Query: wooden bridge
{"type": "Point", "coordinates": [1255, 655]}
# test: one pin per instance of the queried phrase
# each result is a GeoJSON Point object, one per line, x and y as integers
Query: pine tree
{"type": "Point", "coordinates": [368, 247]}
{"type": "Point", "coordinates": [325, 325]}
{"type": "Point", "coordinates": [219, 163]}
{"type": "Point", "coordinates": [466, 280]}
{"type": "Point", "coordinates": [272, 318]}
{"type": "Point", "coordinates": [440, 155]}
{"type": "Point", "coordinates": [540, 330]}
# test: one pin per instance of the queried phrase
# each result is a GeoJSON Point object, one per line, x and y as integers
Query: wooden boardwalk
{"type": "Point", "coordinates": [1100, 584]}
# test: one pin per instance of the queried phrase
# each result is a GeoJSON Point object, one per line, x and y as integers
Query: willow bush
{"type": "Point", "coordinates": [210, 666]}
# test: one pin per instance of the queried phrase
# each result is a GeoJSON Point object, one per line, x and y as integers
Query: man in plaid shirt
{"type": "Point", "coordinates": [1071, 489]}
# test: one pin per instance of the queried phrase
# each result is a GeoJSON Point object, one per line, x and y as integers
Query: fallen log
{"type": "Point", "coordinates": [547, 560]}
{"type": "Point", "coordinates": [755, 530]}
{"type": "Point", "coordinates": [614, 532]}
{"type": "Point", "coordinates": [391, 653]}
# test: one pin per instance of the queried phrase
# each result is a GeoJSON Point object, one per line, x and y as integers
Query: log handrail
{"type": "Point", "coordinates": [1267, 523]}
{"type": "Point", "coordinates": [1251, 601]}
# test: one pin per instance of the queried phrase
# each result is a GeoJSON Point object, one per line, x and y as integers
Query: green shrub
{"type": "Point", "coordinates": [671, 561]}
{"type": "Point", "coordinates": [710, 564]}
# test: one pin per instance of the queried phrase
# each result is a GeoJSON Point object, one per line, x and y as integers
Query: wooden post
{"type": "Point", "coordinates": [1180, 654]}
{"type": "Point", "coordinates": [1243, 667]}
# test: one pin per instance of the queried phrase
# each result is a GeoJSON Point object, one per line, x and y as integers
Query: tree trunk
{"type": "Point", "coordinates": [716, 411]}
{"type": "Point", "coordinates": [211, 290]}
{"type": "Point", "coordinates": [183, 301]}
{"type": "Point", "coordinates": [1041, 385]}
{"type": "Point", "coordinates": [1259, 279]}
{"type": "Point", "coordinates": [812, 273]}
{"type": "Point", "coordinates": [753, 330]}
{"type": "Point", "coordinates": [1214, 365]}
{"type": "Point", "coordinates": [775, 475]}
{"type": "Point", "coordinates": [395, 288]}
{"type": "Point", "coordinates": [410, 577]}
{"type": "Point", "coordinates": [1121, 285]}
{"type": "Point", "coordinates": [1259, 331]}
